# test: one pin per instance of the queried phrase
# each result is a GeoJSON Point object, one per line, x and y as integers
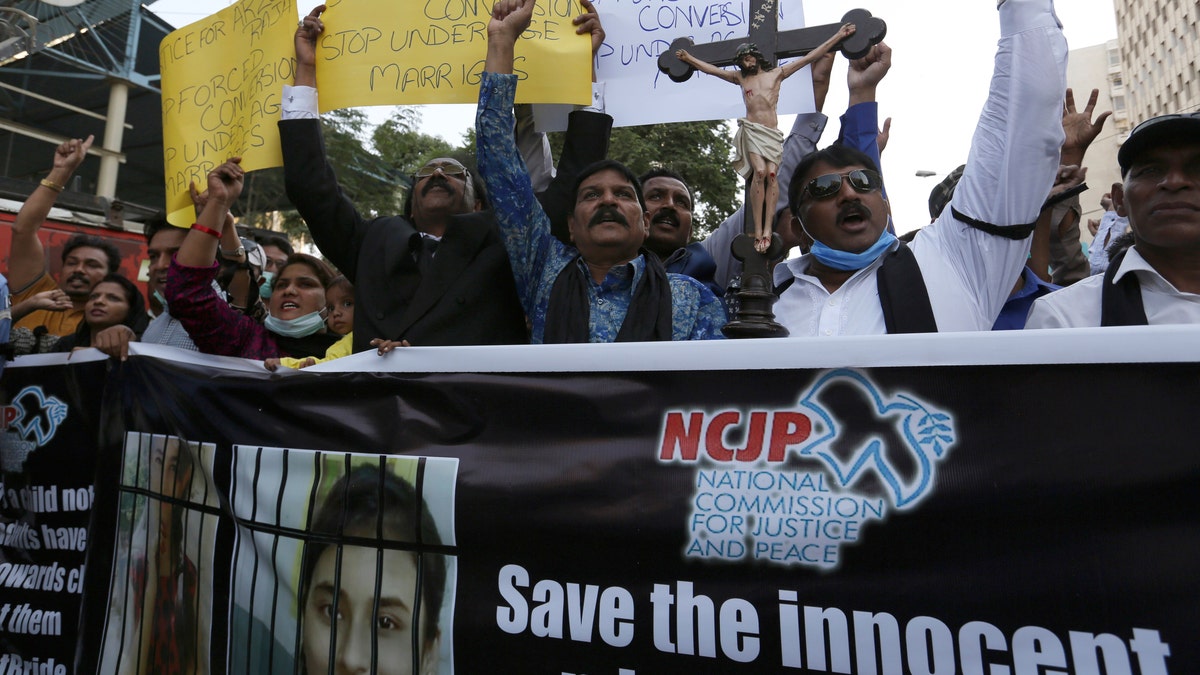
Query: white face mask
{"type": "Point", "coordinates": [296, 328]}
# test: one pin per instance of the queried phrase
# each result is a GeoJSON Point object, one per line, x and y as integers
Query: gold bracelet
{"type": "Point", "coordinates": [46, 182]}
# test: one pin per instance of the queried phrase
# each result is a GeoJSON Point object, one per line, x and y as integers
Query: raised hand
{"type": "Point", "coordinates": [199, 199]}
{"type": "Point", "coordinates": [1068, 176]}
{"type": "Point", "coordinates": [865, 73]}
{"type": "Point", "coordinates": [589, 22]}
{"type": "Point", "coordinates": [881, 139]}
{"type": "Point", "coordinates": [69, 155]}
{"type": "Point", "coordinates": [307, 32]}
{"type": "Point", "coordinates": [509, 19]}
{"type": "Point", "coordinates": [225, 183]}
{"type": "Point", "coordinates": [1079, 127]}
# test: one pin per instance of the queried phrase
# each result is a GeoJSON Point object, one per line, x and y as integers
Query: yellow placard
{"type": "Point", "coordinates": [402, 52]}
{"type": "Point", "coordinates": [222, 78]}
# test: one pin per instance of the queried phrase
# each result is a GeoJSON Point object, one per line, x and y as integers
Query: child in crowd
{"type": "Point", "coordinates": [339, 298]}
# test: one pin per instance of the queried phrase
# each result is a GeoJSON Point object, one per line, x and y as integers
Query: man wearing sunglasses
{"type": "Point", "coordinates": [957, 274]}
{"type": "Point", "coordinates": [1157, 280]}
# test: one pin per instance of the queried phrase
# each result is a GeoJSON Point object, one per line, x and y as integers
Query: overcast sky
{"type": "Point", "coordinates": [942, 56]}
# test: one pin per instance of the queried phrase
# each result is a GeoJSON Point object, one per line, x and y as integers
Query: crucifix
{"type": "Point", "coordinates": [764, 32]}
{"type": "Point", "coordinates": [759, 141]}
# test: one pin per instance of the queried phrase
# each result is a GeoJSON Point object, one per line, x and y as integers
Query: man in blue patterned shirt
{"type": "Point", "coordinates": [604, 289]}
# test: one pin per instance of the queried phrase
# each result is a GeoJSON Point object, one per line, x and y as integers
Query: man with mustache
{"type": "Point", "coordinates": [670, 200]}
{"type": "Point", "coordinates": [603, 289]}
{"type": "Point", "coordinates": [436, 275]}
{"type": "Point", "coordinates": [669, 203]}
{"type": "Point", "coordinates": [957, 274]}
{"type": "Point", "coordinates": [1157, 280]}
{"type": "Point", "coordinates": [669, 197]}
{"type": "Point", "coordinates": [86, 259]}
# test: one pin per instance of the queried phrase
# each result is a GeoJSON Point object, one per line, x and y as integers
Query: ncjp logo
{"type": "Point", "coordinates": [29, 422]}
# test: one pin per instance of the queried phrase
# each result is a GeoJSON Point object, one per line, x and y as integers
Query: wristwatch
{"type": "Point", "coordinates": [235, 253]}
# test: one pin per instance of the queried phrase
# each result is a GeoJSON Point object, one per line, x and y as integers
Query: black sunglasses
{"type": "Point", "coordinates": [824, 187]}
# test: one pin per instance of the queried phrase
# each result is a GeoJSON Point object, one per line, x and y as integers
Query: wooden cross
{"type": "Point", "coordinates": [755, 297]}
{"type": "Point", "coordinates": [775, 45]}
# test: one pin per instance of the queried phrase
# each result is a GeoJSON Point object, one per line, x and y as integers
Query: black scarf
{"type": "Point", "coordinates": [903, 294]}
{"type": "Point", "coordinates": [1121, 303]}
{"type": "Point", "coordinates": [648, 318]}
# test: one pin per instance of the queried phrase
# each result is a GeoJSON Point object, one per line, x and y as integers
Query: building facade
{"type": "Point", "coordinates": [1099, 67]}
{"type": "Point", "coordinates": [1160, 52]}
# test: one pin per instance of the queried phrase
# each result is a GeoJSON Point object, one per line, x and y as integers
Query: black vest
{"type": "Point", "coordinates": [902, 293]}
{"type": "Point", "coordinates": [1121, 303]}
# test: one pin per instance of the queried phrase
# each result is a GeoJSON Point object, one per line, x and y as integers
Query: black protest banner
{"type": "Point", "coordinates": [47, 461]}
{"type": "Point", "coordinates": [884, 519]}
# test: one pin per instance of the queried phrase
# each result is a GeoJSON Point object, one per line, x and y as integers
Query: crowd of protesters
{"type": "Point", "coordinates": [519, 251]}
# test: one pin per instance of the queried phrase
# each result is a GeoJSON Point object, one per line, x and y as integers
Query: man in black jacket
{"type": "Point", "coordinates": [439, 274]}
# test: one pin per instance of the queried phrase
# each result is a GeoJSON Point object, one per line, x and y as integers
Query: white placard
{"type": "Point", "coordinates": [637, 31]}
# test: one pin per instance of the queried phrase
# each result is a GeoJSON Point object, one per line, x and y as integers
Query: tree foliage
{"type": "Point", "coordinates": [698, 151]}
{"type": "Point", "coordinates": [403, 147]}
{"type": "Point", "coordinates": [374, 167]}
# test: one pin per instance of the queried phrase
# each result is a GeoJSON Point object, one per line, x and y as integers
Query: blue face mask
{"type": "Point", "coordinates": [295, 328]}
{"type": "Point", "coordinates": [264, 289]}
{"type": "Point", "coordinates": [848, 262]}
{"type": "Point", "coordinates": [162, 300]}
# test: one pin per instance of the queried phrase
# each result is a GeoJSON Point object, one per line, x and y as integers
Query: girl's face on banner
{"type": "Point", "coordinates": [356, 616]}
{"type": "Point", "coordinates": [166, 478]}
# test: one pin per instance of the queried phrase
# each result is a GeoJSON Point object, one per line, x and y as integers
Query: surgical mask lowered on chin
{"type": "Point", "coordinates": [264, 289]}
{"type": "Point", "coordinates": [162, 300]}
{"type": "Point", "coordinates": [848, 262]}
{"type": "Point", "coordinates": [299, 327]}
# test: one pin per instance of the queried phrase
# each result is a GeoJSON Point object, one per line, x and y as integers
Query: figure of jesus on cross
{"type": "Point", "coordinates": [759, 142]}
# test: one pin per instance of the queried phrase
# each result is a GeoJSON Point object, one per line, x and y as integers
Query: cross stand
{"type": "Point", "coordinates": [756, 295]}
{"type": "Point", "coordinates": [754, 317]}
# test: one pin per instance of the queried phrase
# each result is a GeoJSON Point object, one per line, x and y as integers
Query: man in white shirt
{"type": "Point", "coordinates": [1157, 280]}
{"type": "Point", "coordinates": [859, 281]}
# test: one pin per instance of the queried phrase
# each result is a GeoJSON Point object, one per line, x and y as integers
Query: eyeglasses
{"type": "Point", "coordinates": [824, 187]}
{"type": "Point", "coordinates": [448, 168]}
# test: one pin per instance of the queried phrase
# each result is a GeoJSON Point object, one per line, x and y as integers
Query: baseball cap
{"type": "Point", "coordinates": [1174, 128]}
